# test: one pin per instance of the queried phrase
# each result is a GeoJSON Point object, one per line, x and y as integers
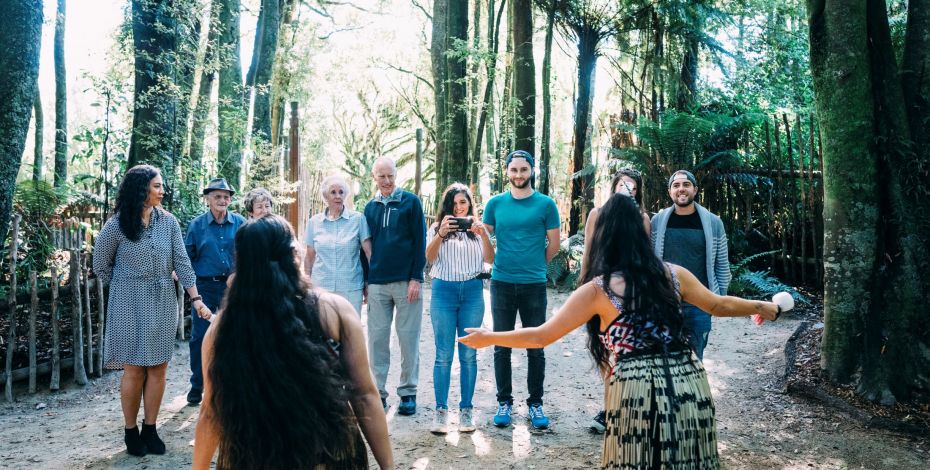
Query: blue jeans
{"type": "Point", "coordinates": [212, 293]}
{"type": "Point", "coordinates": [697, 327]}
{"type": "Point", "coordinates": [453, 307]}
{"type": "Point", "coordinates": [529, 300]}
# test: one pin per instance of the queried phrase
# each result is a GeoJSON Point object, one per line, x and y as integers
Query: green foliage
{"type": "Point", "coordinates": [565, 267]}
{"type": "Point", "coordinates": [39, 204]}
{"type": "Point", "coordinates": [759, 284]}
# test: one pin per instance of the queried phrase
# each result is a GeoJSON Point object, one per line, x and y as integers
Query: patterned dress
{"type": "Point", "coordinates": [660, 413]}
{"type": "Point", "coordinates": [142, 312]}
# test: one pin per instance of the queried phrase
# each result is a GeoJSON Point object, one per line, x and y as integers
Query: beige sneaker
{"type": "Point", "coordinates": [466, 421]}
{"type": "Point", "coordinates": [440, 422]}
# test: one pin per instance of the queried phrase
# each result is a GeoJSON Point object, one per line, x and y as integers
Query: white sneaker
{"type": "Point", "coordinates": [466, 422]}
{"type": "Point", "coordinates": [440, 422]}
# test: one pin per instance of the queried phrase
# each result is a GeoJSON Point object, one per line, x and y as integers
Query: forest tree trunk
{"type": "Point", "coordinates": [38, 159]}
{"type": "Point", "coordinates": [524, 77]}
{"type": "Point", "coordinates": [266, 47]}
{"type": "Point", "coordinates": [438, 47]}
{"type": "Point", "coordinates": [153, 125]}
{"type": "Point", "coordinates": [61, 99]}
{"type": "Point", "coordinates": [873, 328]}
{"type": "Point", "coordinates": [456, 164]}
{"type": "Point", "coordinates": [21, 36]}
{"type": "Point", "coordinates": [545, 145]}
{"type": "Point", "coordinates": [230, 109]}
{"type": "Point", "coordinates": [583, 186]}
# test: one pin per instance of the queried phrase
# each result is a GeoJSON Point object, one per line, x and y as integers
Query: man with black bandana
{"type": "Point", "coordinates": [690, 236]}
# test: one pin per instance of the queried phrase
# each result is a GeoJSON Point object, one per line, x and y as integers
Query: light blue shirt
{"type": "Point", "coordinates": [337, 266]}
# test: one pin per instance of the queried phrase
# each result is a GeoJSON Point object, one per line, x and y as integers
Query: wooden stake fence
{"type": "Point", "coordinates": [11, 304]}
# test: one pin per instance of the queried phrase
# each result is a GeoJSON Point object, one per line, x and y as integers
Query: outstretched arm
{"type": "Point", "coordinates": [693, 292]}
{"type": "Point", "coordinates": [207, 434]}
{"type": "Point", "coordinates": [577, 310]}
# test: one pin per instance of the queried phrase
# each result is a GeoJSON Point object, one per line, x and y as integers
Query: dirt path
{"type": "Point", "coordinates": [758, 427]}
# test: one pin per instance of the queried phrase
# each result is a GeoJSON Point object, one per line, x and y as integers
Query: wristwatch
{"type": "Point", "coordinates": [196, 298]}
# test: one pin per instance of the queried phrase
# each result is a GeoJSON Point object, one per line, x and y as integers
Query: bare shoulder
{"type": "Point", "coordinates": [335, 313]}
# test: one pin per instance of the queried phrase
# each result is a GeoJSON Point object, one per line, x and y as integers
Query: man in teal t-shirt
{"type": "Point", "coordinates": [526, 225]}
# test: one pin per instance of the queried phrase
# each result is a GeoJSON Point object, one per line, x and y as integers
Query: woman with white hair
{"type": "Point", "coordinates": [334, 239]}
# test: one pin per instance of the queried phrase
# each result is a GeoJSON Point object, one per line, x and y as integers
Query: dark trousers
{"type": "Point", "coordinates": [212, 293]}
{"type": "Point", "coordinates": [529, 301]}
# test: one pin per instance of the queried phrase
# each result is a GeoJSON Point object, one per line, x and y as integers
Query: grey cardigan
{"type": "Point", "coordinates": [718, 261]}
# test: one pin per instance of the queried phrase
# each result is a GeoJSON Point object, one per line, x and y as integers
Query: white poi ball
{"type": "Point", "coordinates": [783, 300]}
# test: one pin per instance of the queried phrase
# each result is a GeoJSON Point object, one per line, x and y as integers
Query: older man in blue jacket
{"type": "Point", "coordinates": [398, 255]}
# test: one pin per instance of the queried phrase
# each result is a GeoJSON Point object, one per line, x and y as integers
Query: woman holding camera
{"type": "Point", "coordinates": [457, 247]}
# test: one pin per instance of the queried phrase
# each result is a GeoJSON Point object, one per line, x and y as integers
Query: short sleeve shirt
{"type": "Point", "coordinates": [520, 226]}
{"type": "Point", "coordinates": [337, 266]}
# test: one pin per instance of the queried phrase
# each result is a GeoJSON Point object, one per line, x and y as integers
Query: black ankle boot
{"type": "Point", "coordinates": [152, 442]}
{"type": "Point", "coordinates": [134, 443]}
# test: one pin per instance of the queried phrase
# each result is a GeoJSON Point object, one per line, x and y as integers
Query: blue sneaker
{"type": "Point", "coordinates": [538, 418]}
{"type": "Point", "coordinates": [408, 406]}
{"type": "Point", "coordinates": [502, 418]}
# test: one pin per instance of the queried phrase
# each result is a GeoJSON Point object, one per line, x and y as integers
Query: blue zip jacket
{"type": "Point", "coordinates": [398, 238]}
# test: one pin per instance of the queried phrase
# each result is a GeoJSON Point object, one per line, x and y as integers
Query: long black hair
{"type": "Point", "coordinates": [133, 192]}
{"type": "Point", "coordinates": [621, 246]}
{"type": "Point", "coordinates": [279, 396]}
{"type": "Point", "coordinates": [448, 204]}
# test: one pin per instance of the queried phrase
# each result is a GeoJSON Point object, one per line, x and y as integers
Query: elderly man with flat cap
{"type": "Point", "coordinates": [692, 237]}
{"type": "Point", "coordinates": [210, 244]}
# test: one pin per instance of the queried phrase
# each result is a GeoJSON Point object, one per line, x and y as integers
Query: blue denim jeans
{"type": "Point", "coordinates": [212, 293]}
{"type": "Point", "coordinates": [529, 301]}
{"type": "Point", "coordinates": [697, 327]}
{"type": "Point", "coordinates": [453, 307]}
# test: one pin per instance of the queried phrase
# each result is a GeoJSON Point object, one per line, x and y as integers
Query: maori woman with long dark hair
{"type": "Point", "coordinates": [135, 253]}
{"type": "Point", "coordinates": [287, 383]}
{"type": "Point", "coordinates": [660, 413]}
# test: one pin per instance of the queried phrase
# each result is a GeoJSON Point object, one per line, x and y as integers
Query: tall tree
{"type": "Point", "coordinates": [876, 199]}
{"type": "Point", "coordinates": [61, 99]}
{"type": "Point", "coordinates": [207, 78]}
{"type": "Point", "coordinates": [487, 107]}
{"type": "Point", "coordinates": [231, 109]}
{"type": "Point", "coordinates": [38, 159]}
{"type": "Point", "coordinates": [545, 147]}
{"type": "Point", "coordinates": [456, 165]}
{"type": "Point", "coordinates": [438, 47]}
{"type": "Point", "coordinates": [588, 23]}
{"type": "Point", "coordinates": [154, 127]}
{"type": "Point", "coordinates": [21, 36]}
{"type": "Point", "coordinates": [524, 76]}
{"type": "Point", "coordinates": [262, 66]}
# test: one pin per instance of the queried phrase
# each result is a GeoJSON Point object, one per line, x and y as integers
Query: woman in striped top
{"type": "Point", "coordinates": [457, 246]}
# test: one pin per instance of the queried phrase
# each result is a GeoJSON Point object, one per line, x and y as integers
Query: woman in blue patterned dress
{"type": "Point", "coordinates": [660, 413]}
{"type": "Point", "coordinates": [136, 252]}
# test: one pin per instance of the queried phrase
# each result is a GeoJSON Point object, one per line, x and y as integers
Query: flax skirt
{"type": "Point", "coordinates": [652, 427]}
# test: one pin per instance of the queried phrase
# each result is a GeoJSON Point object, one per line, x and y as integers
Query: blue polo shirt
{"type": "Point", "coordinates": [211, 245]}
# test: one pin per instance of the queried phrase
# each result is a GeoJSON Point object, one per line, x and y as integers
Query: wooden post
{"type": "Point", "coordinates": [293, 171]}
{"type": "Point", "coordinates": [794, 198]}
{"type": "Point", "coordinates": [803, 195]}
{"type": "Point", "coordinates": [89, 316]}
{"type": "Point", "coordinates": [771, 191]}
{"type": "Point", "coordinates": [101, 321]}
{"type": "Point", "coordinates": [56, 334]}
{"type": "Point", "coordinates": [11, 304]}
{"type": "Point", "coordinates": [80, 375]}
{"type": "Point", "coordinates": [419, 172]}
{"type": "Point", "coordinates": [780, 194]}
{"type": "Point", "coordinates": [820, 197]}
{"type": "Point", "coordinates": [811, 197]}
{"type": "Point", "coordinates": [33, 309]}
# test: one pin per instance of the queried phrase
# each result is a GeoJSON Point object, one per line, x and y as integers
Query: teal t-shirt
{"type": "Point", "coordinates": [520, 226]}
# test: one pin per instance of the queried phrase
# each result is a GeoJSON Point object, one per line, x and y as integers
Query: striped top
{"type": "Point", "coordinates": [337, 266]}
{"type": "Point", "coordinates": [460, 257]}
